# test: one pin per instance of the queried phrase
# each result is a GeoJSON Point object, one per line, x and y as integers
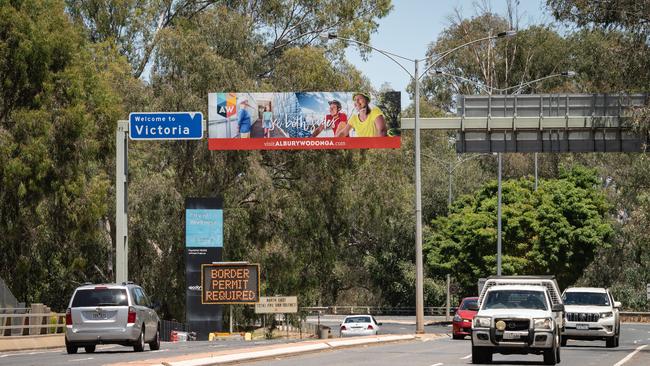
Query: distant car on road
{"type": "Point", "coordinates": [462, 323]}
{"type": "Point", "coordinates": [359, 325]}
{"type": "Point", "coordinates": [111, 313]}
{"type": "Point", "coordinates": [591, 314]}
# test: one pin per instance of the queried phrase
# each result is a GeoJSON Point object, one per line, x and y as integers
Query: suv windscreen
{"type": "Point", "coordinates": [515, 299]}
{"type": "Point", "coordinates": [586, 298]}
{"type": "Point", "coordinates": [100, 297]}
{"type": "Point", "coordinates": [468, 303]}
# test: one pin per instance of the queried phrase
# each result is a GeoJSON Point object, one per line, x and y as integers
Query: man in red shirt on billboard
{"type": "Point", "coordinates": [336, 119]}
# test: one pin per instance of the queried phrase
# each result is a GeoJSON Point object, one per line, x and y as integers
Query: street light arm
{"type": "Point", "coordinates": [390, 55]}
{"type": "Point", "coordinates": [448, 52]}
{"type": "Point", "coordinates": [564, 73]}
{"type": "Point", "coordinates": [490, 90]}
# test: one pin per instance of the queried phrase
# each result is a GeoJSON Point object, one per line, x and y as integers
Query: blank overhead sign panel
{"type": "Point", "coordinates": [543, 123]}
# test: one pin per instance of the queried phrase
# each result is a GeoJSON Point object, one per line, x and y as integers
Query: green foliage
{"type": "Point", "coordinates": [54, 155]}
{"type": "Point", "coordinates": [554, 230]}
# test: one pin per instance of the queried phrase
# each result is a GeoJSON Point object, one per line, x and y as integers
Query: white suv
{"type": "Point", "coordinates": [591, 314]}
{"type": "Point", "coordinates": [111, 313]}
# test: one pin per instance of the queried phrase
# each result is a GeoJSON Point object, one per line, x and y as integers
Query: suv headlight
{"type": "Point", "coordinates": [543, 323]}
{"type": "Point", "coordinates": [608, 314]}
{"type": "Point", "coordinates": [482, 322]}
{"type": "Point", "coordinates": [457, 318]}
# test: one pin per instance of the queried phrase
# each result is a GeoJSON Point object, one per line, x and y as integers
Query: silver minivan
{"type": "Point", "coordinates": [111, 313]}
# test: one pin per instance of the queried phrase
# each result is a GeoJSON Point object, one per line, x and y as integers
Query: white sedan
{"type": "Point", "coordinates": [359, 325]}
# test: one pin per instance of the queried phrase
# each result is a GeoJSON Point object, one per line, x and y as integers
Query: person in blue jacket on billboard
{"type": "Point", "coordinates": [244, 120]}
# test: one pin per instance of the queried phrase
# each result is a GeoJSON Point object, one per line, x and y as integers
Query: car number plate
{"type": "Point", "coordinates": [514, 335]}
{"type": "Point", "coordinates": [99, 316]}
{"type": "Point", "coordinates": [582, 326]}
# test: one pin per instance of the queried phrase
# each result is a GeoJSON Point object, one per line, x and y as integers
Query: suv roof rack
{"type": "Point", "coordinates": [86, 283]}
{"type": "Point", "coordinates": [128, 283]}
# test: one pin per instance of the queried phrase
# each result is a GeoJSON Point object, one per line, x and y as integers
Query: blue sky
{"type": "Point", "coordinates": [413, 24]}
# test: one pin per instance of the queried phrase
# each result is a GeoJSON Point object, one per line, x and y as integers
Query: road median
{"type": "Point", "coordinates": [264, 352]}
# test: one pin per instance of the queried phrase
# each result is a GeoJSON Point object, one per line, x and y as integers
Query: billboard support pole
{"type": "Point", "coordinates": [121, 202]}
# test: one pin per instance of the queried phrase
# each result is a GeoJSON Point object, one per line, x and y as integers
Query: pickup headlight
{"type": "Point", "coordinates": [543, 323]}
{"type": "Point", "coordinates": [482, 322]}
{"type": "Point", "coordinates": [608, 314]}
{"type": "Point", "coordinates": [457, 318]}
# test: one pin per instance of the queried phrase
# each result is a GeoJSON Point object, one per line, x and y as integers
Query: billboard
{"type": "Point", "coordinates": [230, 283]}
{"type": "Point", "coordinates": [203, 244]}
{"type": "Point", "coordinates": [303, 121]}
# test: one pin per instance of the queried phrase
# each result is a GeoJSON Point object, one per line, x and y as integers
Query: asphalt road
{"type": "Point", "coordinates": [448, 352]}
{"type": "Point", "coordinates": [443, 351]}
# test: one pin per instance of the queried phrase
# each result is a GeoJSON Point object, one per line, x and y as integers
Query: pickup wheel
{"type": "Point", "coordinates": [480, 355]}
{"type": "Point", "coordinates": [611, 342]}
{"type": "Point", "coordinates": [458, 336]}
{"type": "Point", "coordinates": [551, 356]}
{"type": "Point", "coordinates": [563, 341]}
{"type": "Point", "coordinates": [90, 349]}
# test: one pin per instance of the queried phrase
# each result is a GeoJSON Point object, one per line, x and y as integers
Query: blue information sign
{"type": "Point", "coordinates": [166, 126]}
{"type": "Point", "coordinates": [203, 228]}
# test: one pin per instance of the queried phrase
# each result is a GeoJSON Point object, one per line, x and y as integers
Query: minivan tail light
{"type": "Point", "coordinates": [131, 317]}
{"type": "Point", "coordinates": [68, 317]}
{"type": "Point", "coordinates": [370, 327]}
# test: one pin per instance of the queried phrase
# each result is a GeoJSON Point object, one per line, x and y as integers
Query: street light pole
{"type": "Point", "coordinates": [419, 276]}
{"type": "Point", "coordinates": [499, 220]}
{"type": "Point", "coordinates": [419, 272]}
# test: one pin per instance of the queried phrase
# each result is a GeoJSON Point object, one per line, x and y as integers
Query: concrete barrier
{"type": "Point", "coordinates": [19, 343]}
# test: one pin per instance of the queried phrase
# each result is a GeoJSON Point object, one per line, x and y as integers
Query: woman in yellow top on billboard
{"type": "Point", "coordinates": [367, 122]}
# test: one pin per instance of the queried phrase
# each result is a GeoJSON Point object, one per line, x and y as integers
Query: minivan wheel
{"type": "Point", "coordinates": [155, 344]}
{"type": "Point", "coordinates": [90, 349]}
{"type": "Point", "coordinates": [71, 349]}
{"type": "Point", "coordinates": [139, 345]}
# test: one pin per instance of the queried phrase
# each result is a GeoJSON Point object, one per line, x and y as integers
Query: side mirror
{"type": "Point", "coordinates": [557, 307]}
{"type": "Point", "coordinates": [473, 307]}
{"type": "Point", "coordinates": [617, 304]}
{"type": "Point", "coordinates": [380, 324]}
{"type": "Point", "coordinates": [156, 306]}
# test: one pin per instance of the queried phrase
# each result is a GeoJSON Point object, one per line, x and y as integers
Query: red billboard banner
{"type": "Point", "coordinates": [303, 121]}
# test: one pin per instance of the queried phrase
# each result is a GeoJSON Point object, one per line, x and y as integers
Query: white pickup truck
{"type": "Point", "coordinates": [518, 315]}
{"type": "Point", "coordinates": [591, 314]}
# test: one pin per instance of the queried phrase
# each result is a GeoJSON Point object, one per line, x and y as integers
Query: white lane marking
{"type": "Point", "coordinates": [437, 364]}
{"type": "Point", "coordinates": [628, 357]}
{"type": "Point", "coordinates": [466, 357]}
{"type": "Point", "coordinates": [28, 353]}
{"type": "Point", "coordinates": [83, 359]}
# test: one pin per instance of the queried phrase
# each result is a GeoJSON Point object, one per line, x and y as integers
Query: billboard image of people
{"type": "Point", "coordinates": [305, 120]}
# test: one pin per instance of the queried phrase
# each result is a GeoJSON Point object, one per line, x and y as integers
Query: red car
{"type": "Point", "coordinates": [462, 323]}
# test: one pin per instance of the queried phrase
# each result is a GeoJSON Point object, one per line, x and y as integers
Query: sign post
{"type": "Point", "coordinates": [648, 291]}
{"type": "Point", "coordinates": [143, 126]}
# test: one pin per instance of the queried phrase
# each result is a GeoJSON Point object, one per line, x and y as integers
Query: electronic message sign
{"type": "Point", "coordinates": [230, 283]}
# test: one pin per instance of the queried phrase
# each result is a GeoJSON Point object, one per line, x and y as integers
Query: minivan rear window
{"type": "Point", "coordinates": [100, 297]}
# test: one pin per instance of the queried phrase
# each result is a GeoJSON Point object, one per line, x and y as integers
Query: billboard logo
{"type": "Point", "coordinates": [226, 104]}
